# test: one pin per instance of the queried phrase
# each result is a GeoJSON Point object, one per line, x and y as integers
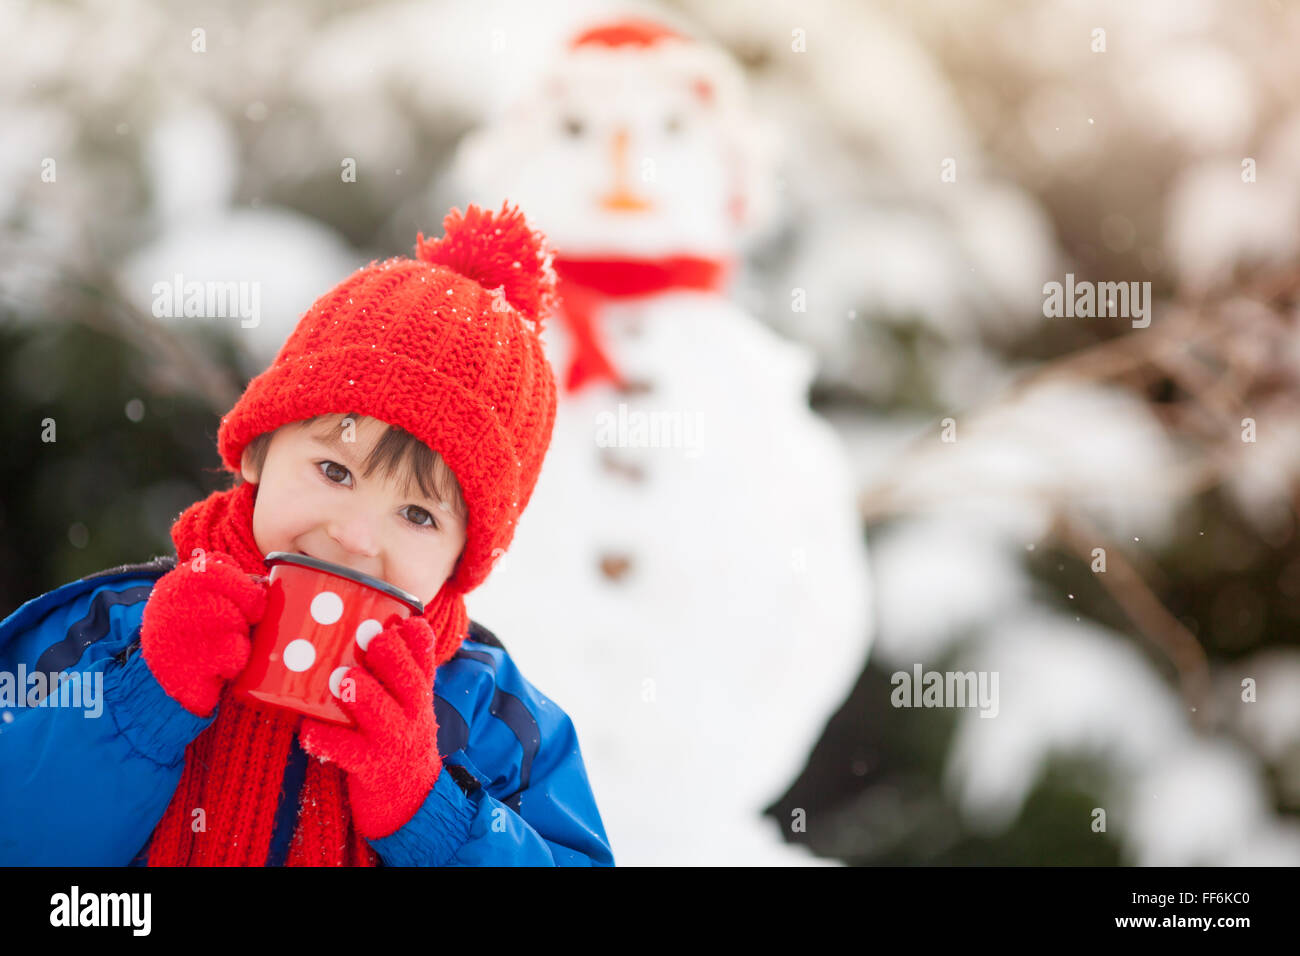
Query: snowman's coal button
{"type": "Point", "coordinates": [624, 469]}
{"type": "Point", "coordinates": [336, 680]}
{"type": "Point", "coordinates": [366, 630]}
{"type": "Point", "coordinates": [299, 655]}
{"type": "Point", "coordinates": [636, 386]}
{"type": "Point", "coordinates": [326, 607]}
{"type": "Point", "coordinates": [614, 565]}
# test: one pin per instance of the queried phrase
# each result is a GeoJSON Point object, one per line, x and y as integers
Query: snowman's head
{"type": "Point", "coordinates": [639, 143]}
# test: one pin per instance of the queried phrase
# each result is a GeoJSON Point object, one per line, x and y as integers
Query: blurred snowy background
{"type": "Point", "coordinates": [1103, 514]}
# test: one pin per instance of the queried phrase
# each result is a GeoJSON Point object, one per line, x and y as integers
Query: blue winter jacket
{"type": "Point", "coordinates": [86, 785]}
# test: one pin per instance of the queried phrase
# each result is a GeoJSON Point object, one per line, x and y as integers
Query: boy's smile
{"type": "Point", "coordinates": [313, 499]}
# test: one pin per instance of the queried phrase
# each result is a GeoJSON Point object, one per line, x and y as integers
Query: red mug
{"type": "Point", "coordinates": [319, 618]}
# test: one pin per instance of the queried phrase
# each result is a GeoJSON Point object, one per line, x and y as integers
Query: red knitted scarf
{"type": "Point", "coordinates": [234, 770]}
{"type": "Point", "coordinates": [585, 285]}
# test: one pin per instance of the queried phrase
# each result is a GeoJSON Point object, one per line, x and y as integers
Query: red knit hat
{"type": "Point", "coordinates": [445, 346]}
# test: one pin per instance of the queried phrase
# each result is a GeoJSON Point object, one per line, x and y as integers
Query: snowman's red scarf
{"type": "Point", "coordinates": [585, 285]}
{"type": "Point", "coordinates": [235, 768]}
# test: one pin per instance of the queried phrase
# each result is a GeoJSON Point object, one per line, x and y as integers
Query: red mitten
{"type": "Point", "coordinates": [194, 634]}
{"type": "Point", "coordinates": [391, 757]}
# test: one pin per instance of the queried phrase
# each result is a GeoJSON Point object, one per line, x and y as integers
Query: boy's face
{"type": "Point", "coordinates": [312, 499]}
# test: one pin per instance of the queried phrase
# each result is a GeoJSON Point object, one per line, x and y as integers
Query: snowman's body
{"type": "Point", "coordinates": [689, 580]}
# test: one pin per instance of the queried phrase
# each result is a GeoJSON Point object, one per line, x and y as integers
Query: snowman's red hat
{"type": "Point", "coordinates": [627, 32]}
{"type": "Point", "coordinates": [607, 46]}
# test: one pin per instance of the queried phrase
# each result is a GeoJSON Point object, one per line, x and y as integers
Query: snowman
{"type": "Point", "coordinates": [689, 579]}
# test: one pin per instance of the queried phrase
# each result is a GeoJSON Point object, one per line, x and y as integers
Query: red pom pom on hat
{"type": "Point", "coordinates": [498, 251]}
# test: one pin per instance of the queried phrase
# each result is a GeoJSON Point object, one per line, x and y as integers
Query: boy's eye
{"type": "Point", "coordinates": [333, 464]}
{"type": "Point", "coordinates": [419, 514]}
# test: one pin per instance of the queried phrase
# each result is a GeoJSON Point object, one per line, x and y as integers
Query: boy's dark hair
{"type": "Point", "coordinates": [397, 451]}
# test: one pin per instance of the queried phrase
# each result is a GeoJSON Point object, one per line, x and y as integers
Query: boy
{"type": "Point", "coordinates": [455, 758]}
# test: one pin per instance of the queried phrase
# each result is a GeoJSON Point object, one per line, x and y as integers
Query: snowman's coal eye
{"type": "Point", "coordinates": [573, 126]}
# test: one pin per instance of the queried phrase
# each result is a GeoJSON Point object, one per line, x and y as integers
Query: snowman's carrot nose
{"type": "Point", "coordinates": [621, 198]}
